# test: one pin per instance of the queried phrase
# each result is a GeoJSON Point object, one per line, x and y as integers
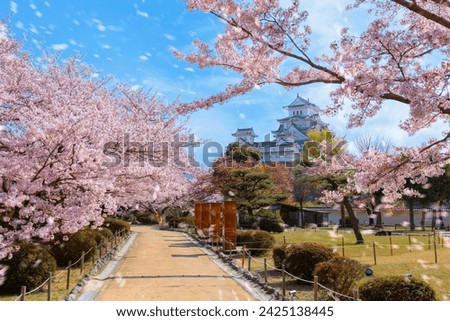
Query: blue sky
{"type": "Point", "coordinates": [132, 40]}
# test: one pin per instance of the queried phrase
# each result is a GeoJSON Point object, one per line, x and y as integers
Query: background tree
{"type": "Point", "coordinates": [252, 190]}
{"type": "Point", "coordinates": [364, 144]}
{"type": "Point", "coordinates": [384, 63]}
{"type": "Point", "coordinates": [74, 148]}
{"type": "Point", "coordinates": [331, 170]}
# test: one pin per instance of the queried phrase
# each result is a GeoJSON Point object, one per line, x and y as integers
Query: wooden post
{"type": "Point", "coordinates": [283, 281]}
{"type": "Point", "coordinates": [68, 275]}
{"type": "Point", "coordinates": [374, 253]}
{"type": "Point", "coordinates": [93, 256]}
{"type": "Point", "coordinates": [82, 263]}
{"type": "Point", "coordinates": [316, 287]}
{"type": "Point", "coordinates": [429, 241]}
{"type": "Point", "coordinates": [249, 262]}
{"type": "Point", "coordinates": [390, 245]}
{"type": "Point", "coordinates": [410, 244]}
{"type": "Point", "coordinates": [343, 247]}
{"type": "Point", "coordinates": [435, 251]}
{"type": "Point", "coordinates": [284, 239]}
{"type": "Point", "coordinates": [243, 256]}
{"type": "Point", "coordinates": [356, 295]}
{"type": "Point", "coordinates": [112, 243]}
{"type": "Point", "coordinates": [265, 270]}
{"type": "Point", "coordinates": [49, 286]}
{"type": "Point", "coordinates": [23, 291]}
{"type": "Point", "coordinates": [101, 247]}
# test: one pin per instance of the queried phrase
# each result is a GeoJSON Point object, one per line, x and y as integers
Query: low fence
{"type": "Point", "coordinates": [65, 277]}
{"type": "Point", "coordinates": [435, 243]}
{"type": "Point", "coordinates": [243, 255]}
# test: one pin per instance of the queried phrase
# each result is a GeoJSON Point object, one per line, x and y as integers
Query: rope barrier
{"type": "Point", "coordinates": [64, 271]}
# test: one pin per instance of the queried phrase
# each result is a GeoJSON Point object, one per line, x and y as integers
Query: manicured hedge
{"type": "Point", "coordinates": [29, 266]}
{"type": "Point", "coordinates": [257, 241]}
{"type": "Point", "coordinates": [396, 288]}
{"type": "Point", "coordinates": [301, 259]}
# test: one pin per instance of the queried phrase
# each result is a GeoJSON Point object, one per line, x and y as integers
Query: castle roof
{"type": "Point", "coordinates": [245, 132]}
{"type": "Point", "coordinates": [300, 102]}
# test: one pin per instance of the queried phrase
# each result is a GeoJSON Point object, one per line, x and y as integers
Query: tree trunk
{"type": "Point", "coordinates": [412, 225]}
{"type": "Point", "coordinates": [353, 220]}
{"type": "Point", "coordinates": [378, 200]}
{"type": "Point", "coordinates": [342, 215]}
{"type": "Point", "coordinates": [440, 216]}
{"type": "Point", "coordinates": [369, 210]}
{"type": "Point", "coordinates": [422, 221]}
{"type": "Point", "coordinates": [433, 219]}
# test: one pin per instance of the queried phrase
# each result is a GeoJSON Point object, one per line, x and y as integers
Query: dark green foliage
{"type": "Point", "coordinates": [270, 225]}
{"type": "Point", "coordinates": [396, 288]}
{"type": "Point", "coordinates": [258, 242]}
{"type": "Point", "coordinates": [97, 235]}
{"type": "Point", "coordinates": [242, 153]}
{"type": "Point", "coordinates": [29, 266]}
{"type": "Point", "coordinates": [106, 232]}
{"type": "Point", "coordinates": [72, 249]}
{"type": "Point", "coordinates": [116, 225]}
{"type": "Point", "coordinates": [302, 258]}
{"type": "Point", "coordinates": [146, 218]}
{"type": "Point", "coordinates": [340, 274]}
{"type": "Point", "coordinates": [278, 255]}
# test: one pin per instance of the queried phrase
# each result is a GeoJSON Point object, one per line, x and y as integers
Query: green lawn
{"type": "Point", "coordinates": [398, 259]}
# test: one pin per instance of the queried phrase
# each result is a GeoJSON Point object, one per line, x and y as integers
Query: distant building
{"type": "Point", "coordinates": [291, 134]}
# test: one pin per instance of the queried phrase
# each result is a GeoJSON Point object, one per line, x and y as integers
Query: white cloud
{"type": "Point", "coordinates": [38, 14]}
{"type": "Point", "coordinates": [73, 42]}
{"type": "Point", "coordinates": [60, 46]}
{"type": "Point", "coordinates": [242, 116]}
{"type": "Point", "coordinates": [135, 87]}
{"type": "Point", "coordinates": [33, 29]}
{"type": "Point", "coordinates": [99, 25]}
{"type": "Point", "coordinates": [142, 13]}
{"type": "Point", "coordinates": [47, 4]}
{"type": "Point", "coordinates": [170, 37]}
{"type": "Point", "coordinates": [20, 25]}
{"type": "Point", "coordinates": [143, 58]}
{"type": "Point", "coordinates": [13, 7]}
{"type": "Point", "coordinates": [33, 6]}
{"type": "Point", "coordinates": [190, 69]}
{"type": "Point", "coordinates": [106, 46]}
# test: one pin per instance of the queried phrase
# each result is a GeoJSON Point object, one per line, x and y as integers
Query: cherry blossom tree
{"type": "Point", "coordinates": [73, 147]}
{"type": "Point", "coordinates": [402, 57]}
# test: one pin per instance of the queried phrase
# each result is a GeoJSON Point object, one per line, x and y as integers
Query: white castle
{"type": "Point", "coordinates": [290, 136]}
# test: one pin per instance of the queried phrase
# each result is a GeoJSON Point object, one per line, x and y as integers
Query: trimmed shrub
{"type": "Point", "coordinates": [72, 249]}
{"type": "Point", "coordinates": [106, 232]}
{"type": "Point", "coordinates": [257, 241]}
{"type": "Point", "coordinates": [270, 225]}
{"type": "Point", "coordinates": [301, 259]}
{"type": "Point", "coordinates": [96, 235]}
{"type": "Point", "coordinates": [396, 288]}
{"type": "Point", "coordinates": [28, 267]}
{"type": "Point", "coordinates": [146, 218]}
{"type": "Point", "coordinates": [340, 274]}
{"type": "Point", "coordinates": [278, 255]}
{"type": "Point", "coordinates": [115, 224]}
